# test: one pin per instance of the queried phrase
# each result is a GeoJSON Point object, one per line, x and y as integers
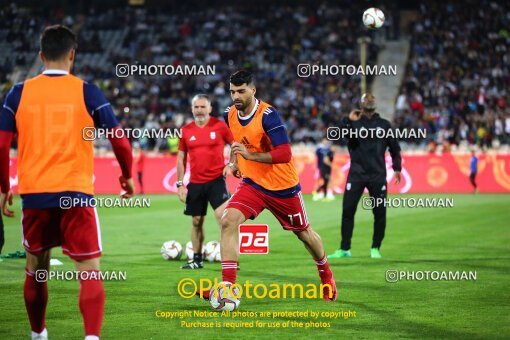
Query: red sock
{"type": "Point", "coordinates": [92, 303]}
{"type": "Point", "coordinates": [229, 271]}
{"type": "Point", "coordinates": [36, 299]}
{"type": "Point", "coordinates": [323, 268]}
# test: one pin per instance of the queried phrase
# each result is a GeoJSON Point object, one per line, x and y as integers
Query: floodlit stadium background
{"type": "Point", "coordinates": [453, 79]}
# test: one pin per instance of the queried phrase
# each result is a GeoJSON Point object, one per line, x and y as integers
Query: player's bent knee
{"type": "Point", "coordinates": [308, 235]}
{"type": "Point", "coordinates": [89, 264]}
{"type": "Point", "coordinates": [197, 221]}
{"type": "Point", "coordinates": [231, 219]}
{"type": "Point", "coordinates": [227, 223]}
{"type": "Point", "coordinates": [218, 217]}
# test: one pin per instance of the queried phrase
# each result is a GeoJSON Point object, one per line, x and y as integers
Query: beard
{"type": "Point", "coordinates": [241, 106]}
{"type": "Point", "coordinates": [200, 119]}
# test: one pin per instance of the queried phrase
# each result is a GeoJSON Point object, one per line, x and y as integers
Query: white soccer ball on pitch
{"type": "Point", "coordinates": [225, 297]}
{"type": "Point", "coordinates": [190, 251]}
{"type": "Point", "coordinates": [171, 250]}
{"type": "Point", "coordinates": [373, 18]}
{"type": "Point", "coordinates": [212, 251]}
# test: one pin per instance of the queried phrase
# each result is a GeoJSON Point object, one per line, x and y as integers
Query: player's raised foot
{"type": "Point", "coordinates": [375, 253]}
{"type": "Point", "coordinates": [329, 292]}
{"type": "Point", "coordinates": [40, 336]}
{"type": "Point", "coordinates": [193, 265]}
{"type": "Point", "coordinates": [340, 254]}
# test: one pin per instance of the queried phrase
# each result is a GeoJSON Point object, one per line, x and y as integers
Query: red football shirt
{"type": "Point", "coordinates": [204, 146]}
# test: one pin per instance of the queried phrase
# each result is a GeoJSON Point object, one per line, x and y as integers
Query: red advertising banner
{"type": "Point", "coordinates": [253, 239]}
{"type": "Point", "coordinates": [420, 174]}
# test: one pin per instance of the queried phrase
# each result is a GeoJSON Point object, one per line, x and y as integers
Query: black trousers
{"type": "Point", "coordinates": [352, 195]}
{"type": "Point", "coordinates": [325, 175]}
{"type": "Point", "coordinates": [472, 179]}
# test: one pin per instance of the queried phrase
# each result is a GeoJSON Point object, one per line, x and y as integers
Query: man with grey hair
{"type": "Point", "coordinates": [204, 141]}
{"type": "Point", "coordinates": [368, 170]}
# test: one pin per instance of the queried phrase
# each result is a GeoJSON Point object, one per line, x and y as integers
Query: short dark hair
{"type": "Point", "coordinates": [57, 41]}
{"type": "Point", "coordinates": [241, 77]}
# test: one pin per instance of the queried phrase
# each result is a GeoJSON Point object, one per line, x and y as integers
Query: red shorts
{"type": "Point", "coordinates": [75, 229]}
{"type": "Point", "coordinates": [290, 212]}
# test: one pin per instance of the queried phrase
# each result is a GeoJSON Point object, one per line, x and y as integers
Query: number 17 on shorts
{"type": "Point", "coordinates": [253, 239]}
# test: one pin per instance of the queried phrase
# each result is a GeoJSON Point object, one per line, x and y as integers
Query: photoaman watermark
{"type": "Point", "coordinates": [188, 288]}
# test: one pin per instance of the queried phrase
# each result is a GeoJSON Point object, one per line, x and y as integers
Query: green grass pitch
{"type": "Point", "coordinates": [472, 236]}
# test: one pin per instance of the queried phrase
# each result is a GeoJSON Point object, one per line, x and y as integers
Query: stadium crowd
{"type": "Point", "coordinates": [455, 83]}
{"type": "Point", "coordinates": [271, 43]}
{"type": "Point", "coordinates": [458, 75]}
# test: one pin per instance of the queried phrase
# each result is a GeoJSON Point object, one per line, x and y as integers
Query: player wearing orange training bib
{"type": "Point", "coordinates": [261, 154]}
{"type": "Point", "coordinates": [50, 114]}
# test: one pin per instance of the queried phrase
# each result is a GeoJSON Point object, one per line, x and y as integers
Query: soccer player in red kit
{"type": "Point", "coordinates": [204, 141]}
{"type": "Point", "coordinates": [270, 181]}
{"type": "Point", "coordinates": [50, 114]}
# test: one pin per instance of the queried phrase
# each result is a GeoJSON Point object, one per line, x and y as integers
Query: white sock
{"type": "Point", "coordinates": [42, 335]}
{"type": "Point", "coordinates": [91, 337]}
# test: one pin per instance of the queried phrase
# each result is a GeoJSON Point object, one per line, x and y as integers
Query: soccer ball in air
{"type": "Point", "coordinates": [190, 251]}
{"type": "Point", "coordinates": [171, 250]}
{"type": "Point", "coordinates": [373, 18]}
{"type": "Point", "coordinates": [212, 251]}
{"type": "Point", "coordinates": [225, 297]}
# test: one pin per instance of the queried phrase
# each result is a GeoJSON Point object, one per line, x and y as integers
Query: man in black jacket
{"type": "Point", "coordinates": [368, 170]}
